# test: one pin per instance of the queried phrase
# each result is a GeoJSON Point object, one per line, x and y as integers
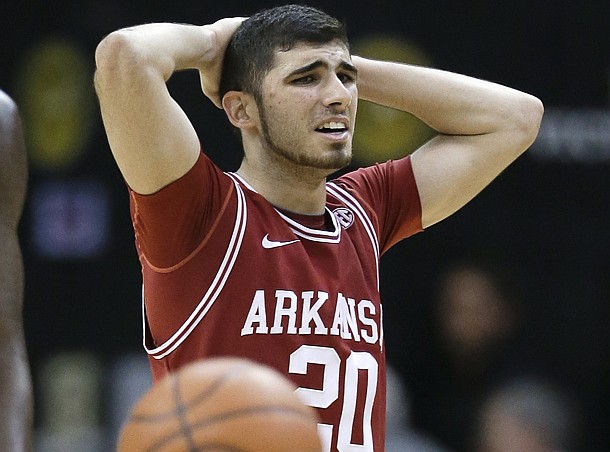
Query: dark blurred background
{"type": "Point", "coordinates": [546, 218]}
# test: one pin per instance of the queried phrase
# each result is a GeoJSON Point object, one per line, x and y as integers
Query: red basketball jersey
{"type": "Point", "coordinates": [226, 273]}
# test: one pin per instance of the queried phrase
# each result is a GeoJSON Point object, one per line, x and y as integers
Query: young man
{"type": "Point", "coordinates": [16, 394]}
{"type": "Point", "coordinates": [273, 262]}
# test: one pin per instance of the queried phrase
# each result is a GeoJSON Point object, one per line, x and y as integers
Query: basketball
{"type": "Point", "coordinates": [221, 404]}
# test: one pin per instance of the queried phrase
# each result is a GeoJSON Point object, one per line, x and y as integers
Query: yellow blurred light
{"type": "Point", "coordinates": [383, 133]}
{"type": "Point", "coordinates": [54, 90]}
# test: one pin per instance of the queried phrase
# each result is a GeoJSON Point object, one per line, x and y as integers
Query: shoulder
{"type": "Point", "coordinates": [388, 190]}
{"type": "Point", "coordinates": [9, 114]}
{"type": "Point", "coordinates": [5, 99]}
{"type": "Point", "coordinates": [378, 178]}
{"type": "Point", "coordinates": [11, 140]}
{"type": "Point", "coordinates": [8, 108]}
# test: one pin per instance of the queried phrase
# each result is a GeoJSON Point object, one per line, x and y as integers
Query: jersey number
{"type": "Point", "coordinates": [323, 398]}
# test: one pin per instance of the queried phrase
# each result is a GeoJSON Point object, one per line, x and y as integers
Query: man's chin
{"type": "Point", "coordinates": [336, 162]}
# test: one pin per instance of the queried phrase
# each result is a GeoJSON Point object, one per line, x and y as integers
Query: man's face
{"type": "Point", "coordinates": [308, 109]}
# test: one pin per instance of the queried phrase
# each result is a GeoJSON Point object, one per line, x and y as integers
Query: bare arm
{"type": "Point", "coordinates": [483, 127]}
{"type": "Point", "coordinates": [150, 136]}
{"type": "Point", "coordinates": [16, 393]}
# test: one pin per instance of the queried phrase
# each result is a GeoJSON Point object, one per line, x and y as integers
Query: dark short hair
{"type": "Point", "coordinates": [251, 51]}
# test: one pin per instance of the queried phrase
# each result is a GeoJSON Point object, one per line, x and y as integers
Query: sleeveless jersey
{"type": "Point", "coordinates": [226, 273]}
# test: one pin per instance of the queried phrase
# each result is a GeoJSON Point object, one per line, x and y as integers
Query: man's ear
{"type": "Point", "coordinates": [237, 106]}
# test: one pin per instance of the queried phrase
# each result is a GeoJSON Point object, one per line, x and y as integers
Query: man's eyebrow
{"type": "Point", "coordinates": [346, 66]}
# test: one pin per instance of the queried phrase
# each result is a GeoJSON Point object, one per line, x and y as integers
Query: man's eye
{"type": "Point", "coordinates": [304, 80]}
{"type": "Point", "coordinates": [346, 78]}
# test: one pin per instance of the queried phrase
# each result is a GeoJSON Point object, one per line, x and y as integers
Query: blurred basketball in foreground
{"type": "Point", "coordinates": [221, 404]}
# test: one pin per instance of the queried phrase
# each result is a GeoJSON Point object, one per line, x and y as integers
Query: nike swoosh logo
{"type": "Point", "coordinates": [269, 244]}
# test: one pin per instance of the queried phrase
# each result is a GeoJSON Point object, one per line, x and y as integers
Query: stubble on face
{"type": "Point", "coordinates": [288, 113]}
{"type": "Point", "coordinates": [290, 149]}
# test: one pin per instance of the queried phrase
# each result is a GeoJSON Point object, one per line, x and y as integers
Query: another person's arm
{"type": "Point", "coordinates": [483, 127]}
{"type": "Point", "coordinates": [151, 137]}
{"type": "Point", "coordinates": [15, 381]}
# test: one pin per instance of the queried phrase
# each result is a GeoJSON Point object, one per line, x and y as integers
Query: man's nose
{"type": "Point", "coordinates": [337, 94]}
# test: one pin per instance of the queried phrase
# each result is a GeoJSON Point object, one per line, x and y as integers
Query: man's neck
{"type": "Point", "coordinates": [295, 189]}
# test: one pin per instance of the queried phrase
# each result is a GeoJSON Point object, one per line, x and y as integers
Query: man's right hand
{"type": "Point", "coordinates": [211, 69]}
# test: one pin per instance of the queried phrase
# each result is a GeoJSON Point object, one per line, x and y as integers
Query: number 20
{"type": "Point", "coordinates": [323, 398]}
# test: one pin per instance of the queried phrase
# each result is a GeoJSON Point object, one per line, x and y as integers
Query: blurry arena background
{"type": "Point", "coordinates": [548, 215]}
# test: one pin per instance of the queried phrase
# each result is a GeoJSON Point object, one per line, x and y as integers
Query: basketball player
{"type": "Point", "coordinates": [273, 262]}
{"type": "Point", "coordinates": [16, 393]}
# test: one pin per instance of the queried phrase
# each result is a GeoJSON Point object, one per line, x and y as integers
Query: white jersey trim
{"type": "Point", "coordinates": [211, 295]}
{"type": "Point", "coordinates": [241, 180]}
{"type": "Point", "coordinates": [346, 198]}
{"type": "Point", "coordinates": [314, 235]}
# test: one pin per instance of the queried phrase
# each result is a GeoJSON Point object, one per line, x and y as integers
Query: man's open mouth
{"type": "Point", "coordinates": [332, 127]}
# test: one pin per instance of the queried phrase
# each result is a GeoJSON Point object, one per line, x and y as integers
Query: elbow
{"type": "Point", "coordinates": [530, 118]}
{"type": "Point", "coordinates": [118, 59]}
{"type": "Point", "coordinates": [112, 50]}
{"type": "Point", "coordinates": [111, 59]}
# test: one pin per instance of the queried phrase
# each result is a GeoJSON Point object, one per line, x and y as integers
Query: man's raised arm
{"type": "Point", "coordinates": [483, 127]}
{"type": "Point", "coordinates": [150, 136]}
